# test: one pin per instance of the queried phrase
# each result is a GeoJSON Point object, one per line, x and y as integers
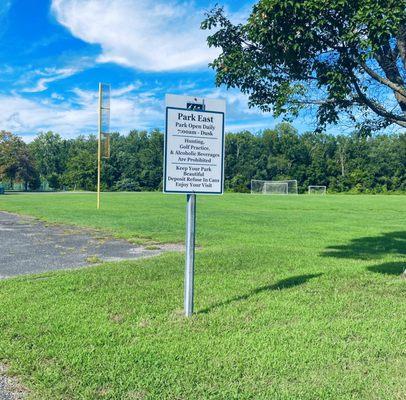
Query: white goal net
{"type": "Point", "coordinates": [274, 187]}
{"type": "Point", "coordinates": [317, 189]}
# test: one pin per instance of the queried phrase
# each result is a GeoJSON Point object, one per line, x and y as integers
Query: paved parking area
{"type": "Point", "coordinates": [30, 246]}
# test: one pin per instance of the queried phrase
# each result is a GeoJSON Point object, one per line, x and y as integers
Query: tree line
{"type": "Point", "coordinates": [355, 163]}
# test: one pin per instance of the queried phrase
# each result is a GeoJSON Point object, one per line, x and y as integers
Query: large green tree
{"type": "Point", "coordinates": [50, 153]}
{"type": "Point", "coordinates": [139, 158]}
{"type": "Point", "coordinates": [16, 161]}
{"type": "Point", "coordinates": [342, 57]}
{"type": "Point", "coordinates": [81, 167]}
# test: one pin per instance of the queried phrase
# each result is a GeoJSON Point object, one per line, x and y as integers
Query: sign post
{"type": "Point", "coordinates": [194, 163]}
{"type": "Point", "coordinates": [190, 253]}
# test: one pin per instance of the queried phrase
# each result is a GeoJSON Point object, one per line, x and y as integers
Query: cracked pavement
{"type": "Point", "coordinates": [31, 246]}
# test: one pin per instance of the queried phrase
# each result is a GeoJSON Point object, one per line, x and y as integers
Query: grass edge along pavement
{"type": "Point", "coordinates": [10, 387]}
{"type": "Point", "coordinates": [296, 298]}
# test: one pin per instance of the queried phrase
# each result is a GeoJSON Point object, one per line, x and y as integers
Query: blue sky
{"type": "Point", "coordinates": [54, 53]}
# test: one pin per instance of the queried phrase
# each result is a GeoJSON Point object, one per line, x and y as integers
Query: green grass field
{"type": "Point", "coordinates": [297, 297]}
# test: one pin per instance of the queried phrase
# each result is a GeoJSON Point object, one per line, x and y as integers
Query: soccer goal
{"type": "Point", "coordinates": [317, 189]}
{"type": "Point", "coordinates": [274, 187]}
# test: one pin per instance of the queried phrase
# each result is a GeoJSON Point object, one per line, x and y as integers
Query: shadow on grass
{"type": "Point", "coordinates": [374, 248]}
{"type": "Point", "coordinates": [282, 284]}
{"type": "Point", "coordinates": [391, 268]}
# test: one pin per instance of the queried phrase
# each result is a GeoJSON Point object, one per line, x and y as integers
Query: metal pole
{"type": "Point", "coordinates": [99, 147]}
{"type": "Point", "coordinates": [190, 252]}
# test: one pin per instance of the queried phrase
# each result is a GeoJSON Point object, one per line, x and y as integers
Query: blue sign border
{"type": "Point", "coordinates": [166, 150]}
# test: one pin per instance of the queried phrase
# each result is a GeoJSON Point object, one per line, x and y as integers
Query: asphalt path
{"type": "Point", "coordinates": [10, 388]}
{"type": "Point", "coordinates": [31, 246]}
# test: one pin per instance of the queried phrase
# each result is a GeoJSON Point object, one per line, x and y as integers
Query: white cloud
{"type": "Point", "coordinates": [130, 109]}
{"type": "Point", "coordinates": [56, 96]}
{"type": "Point", "coordinates": [151, 35]}
{"type": "Point", "coordinates": [27, 116]}
{"type": "Point", "coordinates": [250, 126]}
{"type": "Point", "coordinates": [126, 89]}
{"type": "Point", "coordinates": [237, 103]}
{"type": "Point", "coordinates": [50, 75]}
{"type": "Point", "coordinates": [5, 6]}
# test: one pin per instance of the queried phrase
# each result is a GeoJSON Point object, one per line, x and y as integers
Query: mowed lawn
{"type": "Point", "coordinates": [297, 297]}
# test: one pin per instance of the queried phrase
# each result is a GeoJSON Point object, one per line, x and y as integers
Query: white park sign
{"type": "Point", "coordinates": [194, 163]}
{"type": "Point", "coordinates": [194, 148]}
